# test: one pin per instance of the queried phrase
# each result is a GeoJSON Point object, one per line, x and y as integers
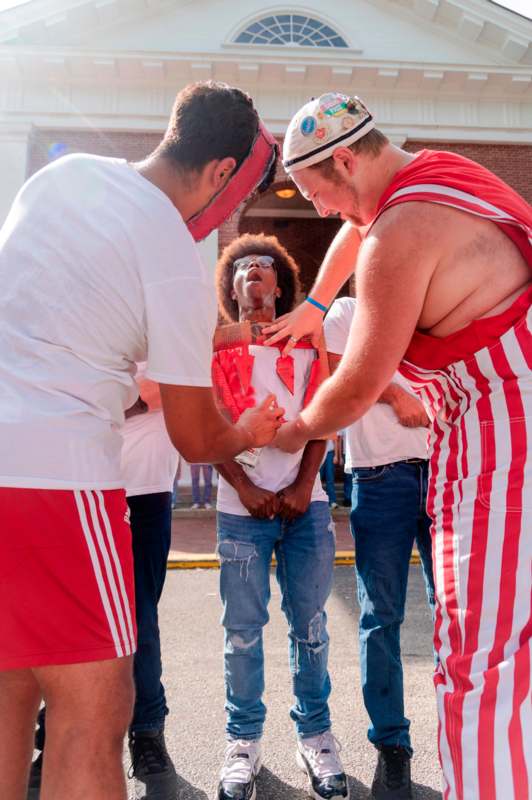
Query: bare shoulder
{"type": "Point", "coordinates": [411, 222]}
{"type": "Point", "coordinates": [405, 241]}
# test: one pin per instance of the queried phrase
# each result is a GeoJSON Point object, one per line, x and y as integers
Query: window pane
{"type": "Point", "coordinates": [291, 28]}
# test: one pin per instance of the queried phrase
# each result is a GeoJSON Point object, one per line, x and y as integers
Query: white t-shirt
{"type": "Point", "coordinates": [98, 271]}
{"type": "Point", "coordinates": [275, 469]}
{"type": "Point", "coordinates": [378, 437]}
{"type": "Point", "coordinates": [149, 459]}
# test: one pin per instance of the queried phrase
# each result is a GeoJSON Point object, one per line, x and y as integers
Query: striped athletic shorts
{"type": "Point", "coordinates": [66, 577]}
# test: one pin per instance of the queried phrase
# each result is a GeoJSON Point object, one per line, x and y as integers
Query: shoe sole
{"type": "Point", "coordinates": [253, 795]}
{"type": "Point", "coordinates": [303, 767]}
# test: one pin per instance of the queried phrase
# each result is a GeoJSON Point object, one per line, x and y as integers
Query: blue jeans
{"type": "Point", "coordinates": [305, 558]}
{"type": "Point", "coordinates": [327, 476]}
{"type": "Point", "coordinates": [195, 470]}
{"type": "Point", "coordinates": [151, 518]}
{"type": "Point", "coordinates": [388, 515]}
{"type": "Point", "coordinates": [348, 487]}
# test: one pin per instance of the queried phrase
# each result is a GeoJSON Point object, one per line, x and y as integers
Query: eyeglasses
{"type": "Point", "coordinates": [265, 262]}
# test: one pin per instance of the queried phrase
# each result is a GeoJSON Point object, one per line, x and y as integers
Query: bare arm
{"type": "Point", "coordinates": [338, 265]}
{"type": "Point", "coordinates": [311, 462]}
{"type": "Point", "coordinates": [295, 499]}
{"type": "Point", "coordinates": [408, 409]}
{"type": "Point", "coordinates": [260, 503]}
{"type": "Point", "coordinates": [395, 265]}
{"type": "Point", "coordinates": [202, 435]}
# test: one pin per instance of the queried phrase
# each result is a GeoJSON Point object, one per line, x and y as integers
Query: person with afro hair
{"type": "Point", "coordinates": [270, 502]}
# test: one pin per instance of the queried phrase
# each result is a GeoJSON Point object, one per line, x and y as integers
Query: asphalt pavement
{"type": "Point", "coordinates": [192, 641]}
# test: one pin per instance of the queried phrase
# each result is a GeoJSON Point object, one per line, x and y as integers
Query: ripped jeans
{"type": "Point", "coordinates": [304, 549]}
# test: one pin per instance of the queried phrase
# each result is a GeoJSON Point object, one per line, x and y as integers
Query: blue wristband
{"type": "Point", "coordinates": [313, 302]}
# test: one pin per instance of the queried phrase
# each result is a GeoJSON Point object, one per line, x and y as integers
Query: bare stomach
{"type": "Point", "coordinates": [469, 310]}
{"type": "Point", "coordinates": [479, 272]}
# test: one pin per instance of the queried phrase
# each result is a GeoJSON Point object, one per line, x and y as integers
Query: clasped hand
{"type": "Point", "coordinates": [289, 503]}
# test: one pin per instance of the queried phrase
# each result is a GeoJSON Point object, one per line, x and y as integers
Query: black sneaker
{"type": "Point", "coordinates": [34, 785]}
{"type": "Point", "coordinates": [151, 767]}
{"type": "Point", "coordinates": [392, 774]}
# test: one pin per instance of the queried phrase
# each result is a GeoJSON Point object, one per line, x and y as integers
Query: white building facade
{"type": "Point", "coordinates": [101, 76]}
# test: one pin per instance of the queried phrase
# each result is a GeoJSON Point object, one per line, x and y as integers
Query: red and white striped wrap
{"type": "Point", "coordinates": [477, 387]}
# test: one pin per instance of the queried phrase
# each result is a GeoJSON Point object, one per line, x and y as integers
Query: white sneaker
{"type": "Point", "coordinates": [318, 756]}
{"type": "Point", "coordinates": [242, 763]}
{"type": "Point", "coordinates": [207, 505]}
{"type": "Point", "coordinates": [195, 505]}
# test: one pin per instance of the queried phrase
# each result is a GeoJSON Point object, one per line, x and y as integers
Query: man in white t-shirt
{"type": "Point", "coordinates": [272, 503]}
{"type": "Point", "coordinates": [99, 270]}
{"type": "Point", "coordinates": [386, 451]}
{"type": "Point", "coordinates": [149, 463]}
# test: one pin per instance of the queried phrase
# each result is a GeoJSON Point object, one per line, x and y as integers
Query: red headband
{"type": "Point", "coordinates": [244, 182]}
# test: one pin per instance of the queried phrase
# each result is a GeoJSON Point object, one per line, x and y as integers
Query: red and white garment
{"type": "Point", "coordinates": [477, 387]}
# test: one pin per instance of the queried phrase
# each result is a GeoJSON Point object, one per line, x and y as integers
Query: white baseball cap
{"type": "Point", "coordinates": [322, 125]}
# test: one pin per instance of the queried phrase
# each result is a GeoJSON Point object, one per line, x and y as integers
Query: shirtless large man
{"type": "Point", "coordinates": [443, 269]}
{"type": "Point", "coordinates": [99, 269]}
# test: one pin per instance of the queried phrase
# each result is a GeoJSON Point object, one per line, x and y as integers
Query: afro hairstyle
{"type": "Point", "coordinates": [256, 244]}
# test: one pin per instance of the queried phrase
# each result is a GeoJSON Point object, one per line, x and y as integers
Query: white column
{"type": "Point", "coordinates": [13, 159]}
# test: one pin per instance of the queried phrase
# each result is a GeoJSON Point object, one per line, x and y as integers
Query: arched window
{"type": "Point", "coordinates": [290, 29]}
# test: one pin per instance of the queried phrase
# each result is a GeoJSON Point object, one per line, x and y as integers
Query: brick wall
{"type": "Point", "coordinates": [132, 145]}
{"type": "Point", "coordinates": [306, 239]}
{"type": "Point", "coordinates": [511, 162]}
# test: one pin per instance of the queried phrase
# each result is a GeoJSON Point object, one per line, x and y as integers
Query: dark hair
{"type": "Point", "coordinates": [209, 120]}
{"type": "Point", "coordinates": [371, 144]}
{"type": "Point", "coordinates": [256, 244]}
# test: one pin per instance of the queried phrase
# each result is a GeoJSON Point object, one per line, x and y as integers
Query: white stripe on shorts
{"type": "Point", "coordinates": [98, 572]}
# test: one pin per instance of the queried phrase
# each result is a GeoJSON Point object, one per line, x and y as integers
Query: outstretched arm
{"type": "Point", "coordinates": [338, 265]}
{"type": "Point", "coordinates": [201, 434]}
{"type": "Point", "coordinates": [395, 265]}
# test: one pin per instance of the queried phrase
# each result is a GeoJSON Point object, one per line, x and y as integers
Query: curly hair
{"type": "Point", "coordinates": [256, 244]}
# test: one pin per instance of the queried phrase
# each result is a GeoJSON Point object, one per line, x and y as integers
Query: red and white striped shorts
{"type": "Point", "coordinates": [66, 577]}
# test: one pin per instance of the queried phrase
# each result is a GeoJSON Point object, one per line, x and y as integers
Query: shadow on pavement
{"type": "Point", "coordinates": [186, 791]}
{"type": "Point", "coordinates": [357, 789]}
{"type": "Point", "coordinates": [425, 792]}
{"type": "Point", "coordinates": [271, 787]}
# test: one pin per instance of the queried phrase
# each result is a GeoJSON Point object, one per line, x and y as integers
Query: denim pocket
{"type": "Point", "coordinates": [370, 473]}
